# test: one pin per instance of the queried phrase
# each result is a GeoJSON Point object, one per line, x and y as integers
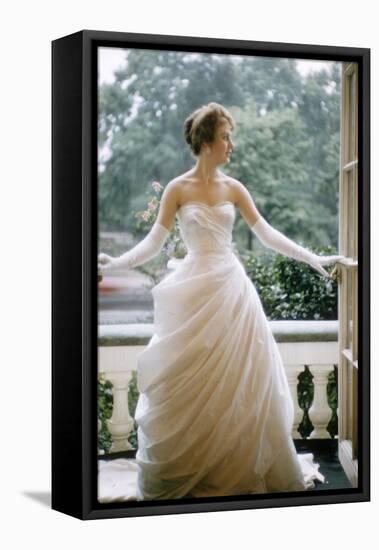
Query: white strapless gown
{"type": "Point", "coordinates": [215, 412]}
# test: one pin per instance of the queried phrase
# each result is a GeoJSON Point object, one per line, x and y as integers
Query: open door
{"type": "Point", "coordinates": [347, 270]}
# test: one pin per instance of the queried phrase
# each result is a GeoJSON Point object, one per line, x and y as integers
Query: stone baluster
{"type": "Point", "coordinates": [292, 372]}
{"type": "Point", "coordinates": [120, 424]}
{"type": "Point", "coordinates": [320, 413]}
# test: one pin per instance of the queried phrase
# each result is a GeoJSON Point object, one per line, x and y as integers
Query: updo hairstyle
{"type": "Point", "coordinates": [200, 127]}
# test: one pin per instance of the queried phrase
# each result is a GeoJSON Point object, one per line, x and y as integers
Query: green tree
{"type": "Point", "coordinates": [268, 160]}
{"type": "Point", "coordinates": [273, 83]}
{"type": "Point", "coordinates": [287, 136]}
{"type": "Point", "coordinates": [165, 87]}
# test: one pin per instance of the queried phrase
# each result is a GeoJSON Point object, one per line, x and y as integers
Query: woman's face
{"type": "Point", "coordinates": [222, 145]}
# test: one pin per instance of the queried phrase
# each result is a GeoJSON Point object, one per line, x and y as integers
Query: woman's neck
{"type": "Point", "coordinates": [205, 170]}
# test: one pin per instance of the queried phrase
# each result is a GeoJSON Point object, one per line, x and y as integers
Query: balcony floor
{"type": "Point", "coordinates": [326, 454]}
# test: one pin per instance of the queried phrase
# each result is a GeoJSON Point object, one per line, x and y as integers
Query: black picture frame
{"type": "Point", "coordinates": [74, 272]}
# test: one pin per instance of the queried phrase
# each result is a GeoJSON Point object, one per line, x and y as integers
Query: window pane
{"type": "Point", "coordinates": [351, 221]}
{"type": "Point", "coordinates": [352, 114]}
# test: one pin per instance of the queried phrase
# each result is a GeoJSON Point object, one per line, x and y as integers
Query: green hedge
{"type": "Point", "coordinates": [104, 412]}
{"type": "Point", "coordinates": [291, 290]}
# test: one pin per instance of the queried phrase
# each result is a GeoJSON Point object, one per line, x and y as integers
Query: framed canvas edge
{"type": "Point", "coordinates": [85, 372]}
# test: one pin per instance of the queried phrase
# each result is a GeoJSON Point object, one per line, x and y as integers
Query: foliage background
{"type": "Point", "coordinates": [286, 137]}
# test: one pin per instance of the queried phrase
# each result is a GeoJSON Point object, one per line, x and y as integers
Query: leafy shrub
{"type": "Point", "coordinates": [132, 402]}
{"type": "Point", "coordinates": [332, 396]}
{"type": "Point", "coordinates": [104, 412]}
{"type": "Point", "coordinates": [292, 290]}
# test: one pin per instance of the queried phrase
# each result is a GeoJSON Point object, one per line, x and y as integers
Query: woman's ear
{"type": "Point", "coordinates": [205, 148]}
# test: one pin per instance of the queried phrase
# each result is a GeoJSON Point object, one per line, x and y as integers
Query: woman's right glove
{"type": "Point", "coordinates": [145, 250]}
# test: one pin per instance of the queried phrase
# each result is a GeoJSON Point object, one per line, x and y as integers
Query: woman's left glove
{"type": "Point", "coordinates": [272, 238]}
{"type": "Point", "coordinates": [318, 261]}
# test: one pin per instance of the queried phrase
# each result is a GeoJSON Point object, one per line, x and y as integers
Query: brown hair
{"type": "Point", "coordinates": [201, 125]}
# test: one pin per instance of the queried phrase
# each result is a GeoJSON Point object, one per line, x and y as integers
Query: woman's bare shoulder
{"type": "Point", "coordinates": [178, 182]}
{"type": "Point", "coordinates": [244, 201]}
{"type": "Point", "coordinates": [173, 189]}
{"type": "Point", "coordinates": [182, 178]}
{"type": "Point", "coordinates": [234, 183]}
{"type": "Point", "coordinates": [237, 188]}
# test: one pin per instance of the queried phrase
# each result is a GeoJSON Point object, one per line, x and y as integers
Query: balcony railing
{"type": "Point", "coordinates": [310, 346]}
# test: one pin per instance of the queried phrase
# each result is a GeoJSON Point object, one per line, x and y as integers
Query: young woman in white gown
{"type": "Point", "coordinates": [215, 412]}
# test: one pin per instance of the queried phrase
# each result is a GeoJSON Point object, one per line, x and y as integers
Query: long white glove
{"type": "Point", "coordinates": [148, 248]}
{"type": "Point", "coordinates": [272, 238]}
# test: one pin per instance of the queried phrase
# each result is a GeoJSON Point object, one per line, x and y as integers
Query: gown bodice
{"type": "Point", "coordinates": [206, 229]}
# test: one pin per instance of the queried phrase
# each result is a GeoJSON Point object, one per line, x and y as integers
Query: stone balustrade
{"type": "Point", "coordinates": [303, 345]}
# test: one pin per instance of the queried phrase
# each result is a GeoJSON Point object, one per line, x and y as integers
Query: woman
{"type": "Point", "coordinates": [215, 412]}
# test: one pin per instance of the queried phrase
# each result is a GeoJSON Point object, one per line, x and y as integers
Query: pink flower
{"type": "Point", "coordinates": [156, 186]}
{"type": "Point", "coordinates": [145, 216]}
{"type": "Point", "coordinates": [152, 206]}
